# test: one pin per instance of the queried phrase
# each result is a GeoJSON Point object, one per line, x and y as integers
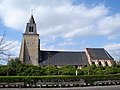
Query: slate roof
{"type": "Point", "coordinates": [63, 58]}
{"type": "Point", "coordinates": [31, 20]}
{"type": "Point", "coordinates": [99, 53]}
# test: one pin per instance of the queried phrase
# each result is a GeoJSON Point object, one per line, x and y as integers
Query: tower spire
{"type": "Point", "coordinates": [31, 26]}
{"type": "Point", "coordinates": [31, 20]}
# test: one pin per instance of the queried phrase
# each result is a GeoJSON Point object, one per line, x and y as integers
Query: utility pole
{"type": "Point", "coordinates": [76, 72]}
{"type": "Point", "coordinates": [88, 70]}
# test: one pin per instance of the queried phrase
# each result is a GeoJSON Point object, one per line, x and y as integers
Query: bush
{"type": "Point", "coordinates": [87, 78]}
{"type": "Point", "coordinates": [67, 70]}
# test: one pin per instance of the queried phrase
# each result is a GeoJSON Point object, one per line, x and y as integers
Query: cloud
{"type": "Point", "coordinates": [53, 17]}
{"type": "Point", "coordinates": [61, 19]}
{"type": "Point", "coordinates": [68, 42]}
{"type": "Point", "coordinates": [15, 13]}
{"type": "Point", "coordinates": [114, 49]}
{"type": "Point", "coordinates": [110, 25]}
{"type": "Point", "coordinates": [71, 21]}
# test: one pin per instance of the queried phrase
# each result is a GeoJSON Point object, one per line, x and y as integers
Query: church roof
{"type": "Point", "coordinates": [63, 58]}
{"type": "Point", "coordinates": [31, 20]}
{"type": "Point", "coordinates": [98, 53]}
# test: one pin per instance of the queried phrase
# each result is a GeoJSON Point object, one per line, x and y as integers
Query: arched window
{"type": "Point", "coordinates": [76, 66]}
{"type": "Point", "coordinates": [30, 28]}
{"type": "Point", "coordinates": [106, 63]}
{"type": "Point", "coordinates": [100, 64]}
{"type": "Point", "coordinates": [93, 63]}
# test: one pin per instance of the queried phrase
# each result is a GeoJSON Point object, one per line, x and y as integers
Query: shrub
{"type": "Point", "coordinates": [87, 78]}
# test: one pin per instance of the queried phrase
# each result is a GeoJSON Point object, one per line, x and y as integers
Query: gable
{"type": "Point", "coordinates": [98, 53]}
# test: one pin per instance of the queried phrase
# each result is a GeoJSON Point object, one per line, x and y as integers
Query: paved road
{"type": "Point", "coordinates": [76, 88]}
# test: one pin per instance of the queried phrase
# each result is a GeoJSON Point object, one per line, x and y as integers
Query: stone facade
{"type": "Point", "coordinates": [30, 52]}
{"type": "Point", "coordinates": [30, 47]}
{"type": "Point", "coordinates": [105, 60]}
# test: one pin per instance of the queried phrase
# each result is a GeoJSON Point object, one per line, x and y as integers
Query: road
{"type": "Point", "coordinates": [117, 87]}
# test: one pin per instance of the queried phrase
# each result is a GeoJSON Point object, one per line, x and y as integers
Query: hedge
{"type": "Point", "coordinates": [33, 79]}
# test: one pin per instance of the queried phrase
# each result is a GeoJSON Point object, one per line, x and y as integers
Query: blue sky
{"type": "Point", "coordinates": [70, 25]}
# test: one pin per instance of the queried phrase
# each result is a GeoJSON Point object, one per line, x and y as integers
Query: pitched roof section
{"type": "Point", "coordinates": [63, 58]}
{"type": "Point", "coordinates": [31, 20]}
{"type": "Point", "coordinates": [98, 53]}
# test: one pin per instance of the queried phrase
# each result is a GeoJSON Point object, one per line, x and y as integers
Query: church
{"type": "Point", "coordinates": [30, 52]}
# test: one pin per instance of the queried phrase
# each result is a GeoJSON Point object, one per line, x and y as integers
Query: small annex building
{"type": "Point", "coordinates": [30, 52]}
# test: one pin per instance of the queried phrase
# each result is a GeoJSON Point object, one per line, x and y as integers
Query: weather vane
{"type": "Point", "coordinates": [31, 11]}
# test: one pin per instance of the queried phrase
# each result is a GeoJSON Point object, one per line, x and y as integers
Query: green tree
{"type": "Point", "coordinates": [3, 70]}
{"type": "Point", "coordinates": [14, 62]}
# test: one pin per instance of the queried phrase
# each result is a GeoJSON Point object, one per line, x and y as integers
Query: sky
{"type": "Point", "coordinates": [64, 25]}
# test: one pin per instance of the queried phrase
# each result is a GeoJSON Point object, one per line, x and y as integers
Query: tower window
{"type": "Point", "coordinates": [106, 63]}
{"type": "Point", "coordinates": [30, 28]}
{"type": "Point", "coordinates": [28, 42]}
{"type": "Point", "coordinates": [32, 43]}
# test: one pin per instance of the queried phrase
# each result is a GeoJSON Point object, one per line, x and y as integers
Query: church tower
{"type": "Point", "coordinates": [30, 47]}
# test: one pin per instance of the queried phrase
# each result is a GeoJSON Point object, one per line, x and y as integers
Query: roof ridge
{"type": "Point", "coordinates": [94, 48]}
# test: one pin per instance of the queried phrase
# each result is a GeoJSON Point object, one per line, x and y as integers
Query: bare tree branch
{"type": "Point", "coordinates": [2, 39]}
{"type": "Point", "coordinates": [5, 47]}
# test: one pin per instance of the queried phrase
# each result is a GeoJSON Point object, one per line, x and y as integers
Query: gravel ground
{"type": "Point", "coordinates": [116, 87]}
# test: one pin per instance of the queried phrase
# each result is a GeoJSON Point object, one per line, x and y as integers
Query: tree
{"type": "Point", "coordinates": [4, 47]}
{"type": "Point", "coordinates": [114, 63]}
{"type": "Point", "coordinates": [13, 65]}
{"type": "Point", "coordinates": [14, 62]}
